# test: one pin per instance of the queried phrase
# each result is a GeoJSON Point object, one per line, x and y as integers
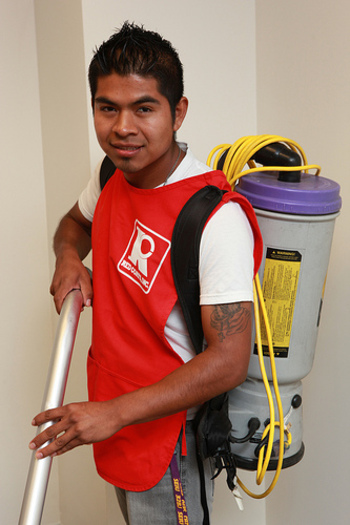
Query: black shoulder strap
{"type": "Point", "coordinates": [185, 245]}
{"type": "Point", "coordinates": [106, 171]}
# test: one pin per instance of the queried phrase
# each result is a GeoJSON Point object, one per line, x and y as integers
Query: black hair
{"type": "Point", "coordinates": [134, 50]}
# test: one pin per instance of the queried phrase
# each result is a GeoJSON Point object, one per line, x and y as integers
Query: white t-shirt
{"type": "Point", "coordinates": [226, 253]}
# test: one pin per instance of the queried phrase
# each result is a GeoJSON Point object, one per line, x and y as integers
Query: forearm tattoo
{"type": "Point", "coordinates": [229, 319]}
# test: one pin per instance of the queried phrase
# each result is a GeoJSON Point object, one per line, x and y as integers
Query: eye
{"type": "Point", "coordinates": [144, 109]}
{"type": "Point", "coordinates": [107, 109]}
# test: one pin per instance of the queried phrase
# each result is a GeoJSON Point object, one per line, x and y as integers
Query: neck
{"type": "Point", "coordinates": [175, 165]}
{"type": "Point", "coordinates": [157, 173]}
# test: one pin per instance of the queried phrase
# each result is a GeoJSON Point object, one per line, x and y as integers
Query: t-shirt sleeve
{"type": "Point", "coordinates": [90, 195]}
{"type": "Point", "coordinates": [226, 263]}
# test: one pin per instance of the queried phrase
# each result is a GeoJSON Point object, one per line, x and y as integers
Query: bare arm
{"type": "Point", "coordinates": [221, 367]}
{"type": "Point", "coordinates": [72, 243]}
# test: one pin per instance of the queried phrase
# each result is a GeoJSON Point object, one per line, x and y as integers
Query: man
{"type": "Point", "coordinates": [145, 382]}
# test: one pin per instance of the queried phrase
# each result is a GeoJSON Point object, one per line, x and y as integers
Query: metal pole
{"type": "Point", "coordinates": [39, 470]}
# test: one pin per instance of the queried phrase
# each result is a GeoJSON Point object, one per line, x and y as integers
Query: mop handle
{"type": "Point", "coordinates": [39, 470]}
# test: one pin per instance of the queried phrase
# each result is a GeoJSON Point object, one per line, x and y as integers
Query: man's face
{"type": "Point", "coordinates": [135, 127]}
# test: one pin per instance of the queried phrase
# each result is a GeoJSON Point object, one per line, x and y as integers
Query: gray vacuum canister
{"type": "Point", "coordinates": [297, 223]}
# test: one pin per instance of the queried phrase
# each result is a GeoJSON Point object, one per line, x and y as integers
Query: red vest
{"type": "Point", "coordinates": [134, 294]}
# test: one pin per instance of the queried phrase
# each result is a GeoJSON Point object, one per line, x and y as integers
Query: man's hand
{"type": "Point", "coordinates": [74, 424]}
{"type": "Point", "coordinates": [70, 275]}
{"type": "Point", "coordinates": [72, 243]}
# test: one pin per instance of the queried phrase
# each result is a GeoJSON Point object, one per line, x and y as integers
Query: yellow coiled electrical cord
{"type": "Point", "coordinates": [240, 153]}
{"type": "Point", "coordinates": [238, 156]}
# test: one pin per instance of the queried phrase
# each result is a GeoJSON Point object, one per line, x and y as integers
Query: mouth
{"type": "Point", "coordinates": [126, 151]}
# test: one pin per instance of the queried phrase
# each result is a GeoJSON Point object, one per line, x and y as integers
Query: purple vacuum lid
{"type": "Point", "coordinates": [313, 195]}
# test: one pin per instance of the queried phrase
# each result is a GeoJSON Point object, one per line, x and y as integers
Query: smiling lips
{"type": "Point", "coordinates": [126, 151]}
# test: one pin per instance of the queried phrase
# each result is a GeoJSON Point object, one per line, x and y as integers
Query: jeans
{"type": "Point", "coordinates": [156, 506]}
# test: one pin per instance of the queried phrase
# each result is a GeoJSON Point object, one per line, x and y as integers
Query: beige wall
{"type": "Point", "coordinates": [216, 43]}
{"type": "Point", "coordinates": [301, 92]}
{"type": "Point", "coordinates": [64, 116]}
{"type": "Point", "coordinates": [25, 307]}
{"type": "Point", "coordinates": [303, 85]}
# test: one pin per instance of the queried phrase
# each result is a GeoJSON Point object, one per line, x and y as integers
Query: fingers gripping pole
{"type": "Point", "coordinates": [39, 470]}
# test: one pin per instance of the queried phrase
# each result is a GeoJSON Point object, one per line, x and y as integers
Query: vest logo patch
{"type": "Point", "coordinates": [144, 256]}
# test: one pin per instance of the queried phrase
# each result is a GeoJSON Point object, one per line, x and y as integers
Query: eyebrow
{"type": "Point", "coordinates": [143, 100]}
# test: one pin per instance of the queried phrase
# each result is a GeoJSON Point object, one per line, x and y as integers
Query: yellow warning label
{"type": "Point", "coordinates": [280, 284]}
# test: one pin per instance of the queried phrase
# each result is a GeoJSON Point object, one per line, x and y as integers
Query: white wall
{"type": "Point", "coordinates": [216, 43]}
{"type": "Point", "coordinates": [25, 307]}
{"type": "Point", "coordinates": [303, 86]}
{"type": "Point", "coordinates": [64, 115]}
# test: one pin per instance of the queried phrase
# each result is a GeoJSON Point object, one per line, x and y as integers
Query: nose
{"type": "Point", "coordinates": [124, 124]}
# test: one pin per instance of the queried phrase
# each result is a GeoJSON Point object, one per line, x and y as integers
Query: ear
{"type": "Point", "coordinates": [180, 113]}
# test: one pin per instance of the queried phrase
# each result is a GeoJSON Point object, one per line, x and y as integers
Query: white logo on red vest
{"type": "Point", "coordinates": [144, 256]}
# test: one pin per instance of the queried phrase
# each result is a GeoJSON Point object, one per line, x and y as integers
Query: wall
{"type": "Point", "coordinates": [216, 43]}
{"type": "Point", "coordinates": [64, 116]}
{"type": "Point", "coordinates": [303, 81]}
{"type": "Point", "coordinates": [25, 307]}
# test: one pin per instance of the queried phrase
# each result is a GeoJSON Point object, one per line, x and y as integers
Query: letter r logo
{"type": "Point", "coordinates": [144, 256]}
{"type": "Point", "coordinates": [143, 249]}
